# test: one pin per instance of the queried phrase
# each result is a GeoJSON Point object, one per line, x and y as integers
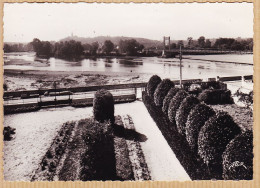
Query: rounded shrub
{"type": "Point", "coordinates": [238, 158]}
{"type": "Point", "coordinates": [103, 106]}
{"type": "Point", "coordinates": [166, 101]}
{"type": "Point", "coordinates": [213, 138]}
{"type": "Point", "coordinates": [216, 96]}
{"type": "Point", "coordinates": [196, 119]}
{"type": "Point", "coordinates": [182, 113]}
{"type": "Point", "coordinates": [152, 84]}
{"type": "Point", "coordinates": [161, 91]}
{"type": "Point", "coordinates": [175, 103]}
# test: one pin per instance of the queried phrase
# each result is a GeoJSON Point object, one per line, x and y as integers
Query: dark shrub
{"type": "Point", "coordinates": [196, 119]}
{"type": "Point", "coordinates": [175, 103]}
{"type": "Point", "coordinates": [182, 113]}
{"type": "Point", "coordinates": [103, 106]}
{"type": "Point", "coordinates": [5, 86]}
{"type": "Point", "coordinates": [98, 162]}
{"type": "Point", "coordinates": [216, 96]}
{"type": "Point", "coordinates": [213, 139]}
{"type": "Point", "coordinates": [168, 98]}
{"type": "Point", "coordinates": [152, 84]}
{"type": "Point", "coordinates": [8, 133]}
{"type": "Point", "coordinates": [161, 91]}
{"type": "Point", "coordinates": [238, 158]}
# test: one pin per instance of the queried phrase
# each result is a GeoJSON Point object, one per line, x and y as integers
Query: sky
{"type": "Point", "coordinates": [54, 21]}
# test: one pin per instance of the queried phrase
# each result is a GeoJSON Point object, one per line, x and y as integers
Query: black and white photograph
{"type": "Point", "coordinates": [128, 91]}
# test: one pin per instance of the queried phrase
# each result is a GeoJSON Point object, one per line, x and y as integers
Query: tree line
{"type": "Point", "coordinates": [219, 44]}
{"type": "Point", "coordinates": [75, 50]}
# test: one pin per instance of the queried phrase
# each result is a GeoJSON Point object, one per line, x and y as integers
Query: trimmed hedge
{"type": "Point", "coordinates": [161, 91]}
{"type": "Point", "coordinates": [196, 119]}
{"type": "Point", "coordinates": [98, 162]}
{"type": "Point", "coordinates": [238, 158]}
{"type": "Point", "coordinates": [216, 96]}
{"type": "Point", "coordinates": [213, 138]}
{"type": "Point", "coordinates": [175, 103]}
{"type": "Point", "coordinates": [172, 92]}
{"type": "Point", "coordinates": [103, 106]}
{"type": "Point", "coordinates": [182, 113]}
{"type": "Point", "coordinates": [152, 84]}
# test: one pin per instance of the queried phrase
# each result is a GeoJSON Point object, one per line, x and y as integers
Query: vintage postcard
{"type": "Point", "coordinates": [128, 92]}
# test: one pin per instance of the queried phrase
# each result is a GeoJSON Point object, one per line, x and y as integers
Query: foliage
{"type": "Point", "coordinates": [238, 158]}
{"type": "Point", "coordinates": [233, 44]}
{"type": "Point", "coordinates": [130, 47]}
{"type": "Point", "coordinates": [244, 97]}
{"type": "Point", "coordinates": [108, 47]}
{"type": "Point", "coordinates": [175, 103]}
{"type": "Point", "coordinates": [19, 47]}
{"type": "Point", "coordinates": [152, 85]}
{"type": "Point", "coordinates": [216, 96]}
{"type": "Point", "coordinates": [213, 138]}
{"type": "Point", "coordinates": [201, 42]}
{"type": "Point", "coordinates": [42, 48]}
{"type": "Point", "coordinates": [103, 106]}
{"type": "Point", "coordinates": [161, 91]}
{"type": "Point", "coordinates": [5, 86]}
{"type": "Point", "coordinates": [98, 162]}
{"type": "Point", "coordinates": [8, 132]}
{"type": "Point", "coordinates": [94, 48]}
{"type": "Point", "coordinates": [196, 119]}
{"type": "Point", "coordinates": [166, 101]}
{"type": "Point", "coordinates": [68, 49]}
{"type": "Point", "coordinates": [182, 113]}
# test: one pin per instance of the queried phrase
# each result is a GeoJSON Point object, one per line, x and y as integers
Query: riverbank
{"type": "Point", "coordinates": [31, 79]}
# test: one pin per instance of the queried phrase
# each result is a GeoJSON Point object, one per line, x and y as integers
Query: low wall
{"type": "Point", "coordinates": [73, 90]}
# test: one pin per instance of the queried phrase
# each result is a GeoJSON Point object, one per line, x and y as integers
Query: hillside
{"type": "Point", "coordinates": [101, 39]}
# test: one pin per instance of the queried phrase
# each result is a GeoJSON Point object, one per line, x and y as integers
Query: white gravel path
{"type": "Point", "coordinates": [34, 134]}
{"type": "Point", "coordinates": [161, 161]}
{"type": "Point", "coordinates": [35, 131]}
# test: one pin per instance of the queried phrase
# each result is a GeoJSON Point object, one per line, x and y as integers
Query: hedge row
{"type": "Point", "coordinates": [207, 133]}
{"type": "Point", "coordinates": [161, 91]}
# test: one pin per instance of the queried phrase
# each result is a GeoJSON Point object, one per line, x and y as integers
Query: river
{"type": "Point", "coordinates": [193, 67]}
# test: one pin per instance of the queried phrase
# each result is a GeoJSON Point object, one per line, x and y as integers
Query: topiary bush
{"type": "Point", "coordinates": [152, 84]}
{"type": "Point", "coordinates": [216, 96]}
{"type": "Point", "coordinates": [213, 138]}
{"type": "Point", "coordinates": [238, 158]}
{"type": "Point", "coordinates": [175, 103]}
{"type": "Point", "coordinates": [103, 106]}
{"type": "Point", "coordinates": [161, 91]}
{"type": "Point", "coordinates": [166, 101]}
{"type": "Point", "coordinates": [196, 119]}
{"type": "Point", "coordinates": [182, 113]}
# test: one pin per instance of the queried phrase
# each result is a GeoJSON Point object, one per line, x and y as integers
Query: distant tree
{"type": "Point", "coordinates": [94, 48]}
{"type": "Point", "coordinates": [173, 45]}
{"type": "Point", "coordinates": [180, 43]}
{"type": "Point", "coordinates": [207, 44]}
{"type": "Point", "coordinates": [108, 47]}
{"type": "Point", "coordinates": [224, 43]}
{"type": "Point", "coordinates": [68, 49]}
{"type": "Point", "coordinates": [130, 47]}
{"type": "Point", "coordinates": [201, 42]}
{"type": "Point", "coordinates": [7, 48]}
{"type": "Point", "coordinates": [190, 41]}
{"type": "Point", "coordinates": [42, 48]}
